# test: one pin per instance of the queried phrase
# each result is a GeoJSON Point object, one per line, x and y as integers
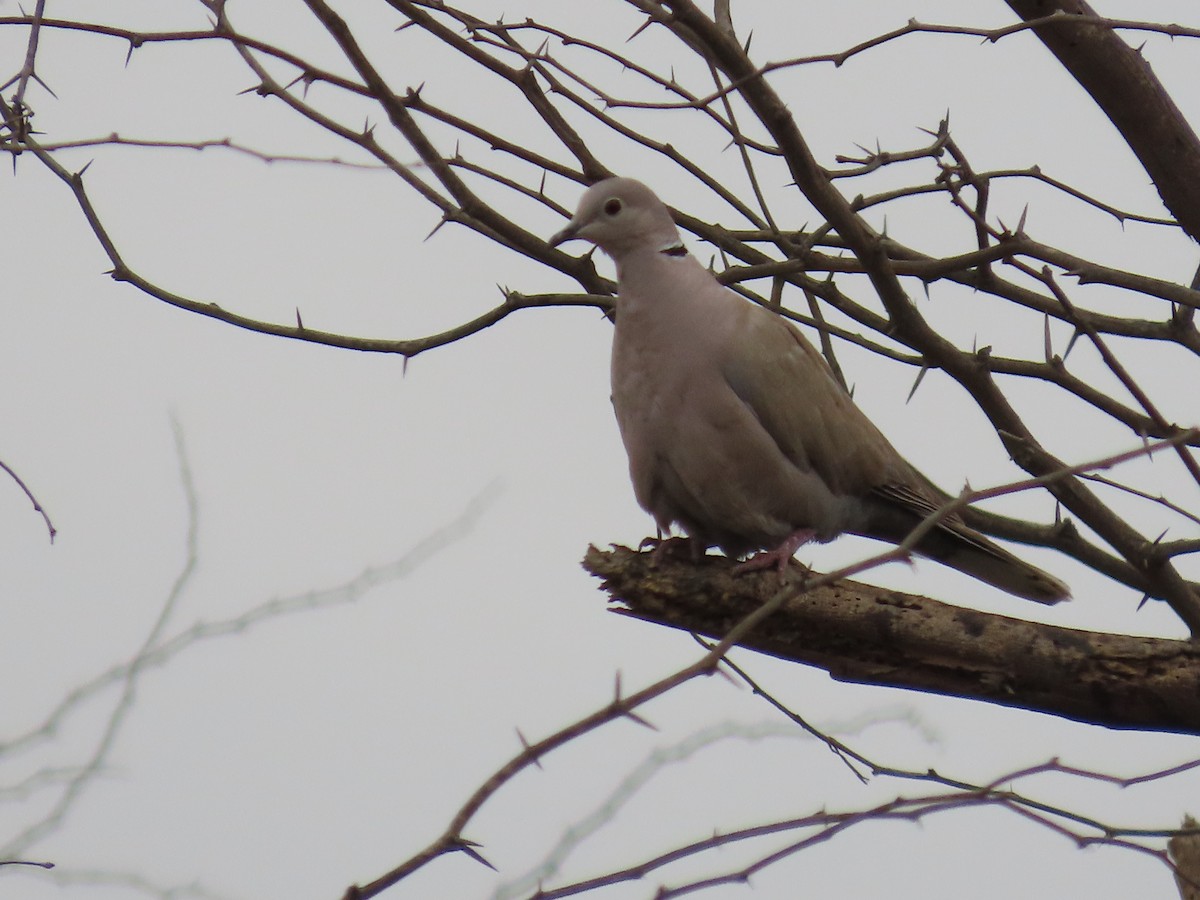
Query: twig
{"type": "Point", "coordinates": [37, 506]}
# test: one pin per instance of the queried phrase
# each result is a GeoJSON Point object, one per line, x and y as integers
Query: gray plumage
{"type": "Point", "coordinates": [735, 427]}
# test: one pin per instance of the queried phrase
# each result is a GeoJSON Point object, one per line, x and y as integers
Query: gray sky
{"type": "Point", "coordinates": [322, 747]}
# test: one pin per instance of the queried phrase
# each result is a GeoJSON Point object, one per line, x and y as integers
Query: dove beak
{"type": "Point", "coordinates": [568, 233]}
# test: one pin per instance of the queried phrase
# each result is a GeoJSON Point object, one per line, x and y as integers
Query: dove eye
{"type": "Point", "coordinates": [612, 207]}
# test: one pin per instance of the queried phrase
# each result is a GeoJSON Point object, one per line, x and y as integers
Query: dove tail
{"type": "Point", "coordinates": [977, 556]}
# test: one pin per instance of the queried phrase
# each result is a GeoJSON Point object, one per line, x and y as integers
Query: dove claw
{"type": "Point", "coordinates": [779, 557]}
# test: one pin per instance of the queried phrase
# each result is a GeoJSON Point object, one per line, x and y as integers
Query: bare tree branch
{"type": "Point", "coordinates": [1123, 86]}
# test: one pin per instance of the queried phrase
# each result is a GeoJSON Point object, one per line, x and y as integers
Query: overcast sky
{"type": "Point", "coordinates": [435, 517]}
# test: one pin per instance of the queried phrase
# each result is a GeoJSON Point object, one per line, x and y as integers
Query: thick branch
{"type": "Point", "coordinates": [1124, 87]}
{"type": "Point", "coordinates": [871, 635]}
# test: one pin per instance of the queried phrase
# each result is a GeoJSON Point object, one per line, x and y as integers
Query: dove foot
{"type": "Point", "coordinates": [650, 543]}
{"type": "Point", "coordinates": [779, 557]}
{"type": "Point", "coordinates": [671, 546]}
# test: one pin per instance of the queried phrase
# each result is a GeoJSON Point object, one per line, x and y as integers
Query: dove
{"type": "Point", "coordinates": [735, 427]}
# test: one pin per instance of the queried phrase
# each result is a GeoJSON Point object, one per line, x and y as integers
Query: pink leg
{"type": "Point", "coordinates": [780, 556]}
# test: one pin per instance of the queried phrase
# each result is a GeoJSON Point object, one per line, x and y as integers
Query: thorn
{"type": "Point", "coordinates": [1021, 221]}
{"type": "Point", "coordinates": [524, 743]}
{"type": "Point", "coordinates": [38, 79]}
{"type": "Point", "coordinates": [617, 687]}
{"type": "Point", "coordinates": [746, 46]}
{"type": "Point", "coordinates": [636, 718]}
{"type": "Point", "coordinates": [917, 383]}
{"type": "Point", "coordinates": [728, 676]}
{"type": "Point", "coordinates": [404, 367]}
{"type": "Point", "coordinates": [468, 847]}
{"type": "Point", "coordinates": [299, 321]}
{"type": "Point", "coordinates": [437, 227]}
{"type": "Point", "coordinates": [1142, 602]}
{"type": "Point", "coordinates": [649, 21]}
{"type": "Point", "coordinates": [129, 54]}
{"type": "Point", "coordinates": [1049, 346]}
{"type": "Point", "coordinates": [1075, 335]}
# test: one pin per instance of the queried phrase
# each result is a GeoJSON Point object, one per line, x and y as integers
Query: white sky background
{"type": "Point", "coordinates": [319, 749]}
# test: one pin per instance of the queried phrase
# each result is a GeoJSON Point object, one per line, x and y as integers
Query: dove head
{"type": "Point", "coordinates": [620, 215]}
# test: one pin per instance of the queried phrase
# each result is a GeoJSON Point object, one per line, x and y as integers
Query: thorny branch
{"type": "Point", "coordinates": [538, 78]}
{"type": "Point", "coordinates": [1081, 829]}
{"type": "Point", "coordinates": [753, 616]}
{"type": "Point", "coordinates": [824, 255]}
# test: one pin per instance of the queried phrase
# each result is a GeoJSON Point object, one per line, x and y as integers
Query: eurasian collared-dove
{"type": "Point", "coordinates": [735, 427]}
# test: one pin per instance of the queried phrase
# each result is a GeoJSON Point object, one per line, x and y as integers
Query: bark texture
{"type": "Point", "coordinates": [861, 633]}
